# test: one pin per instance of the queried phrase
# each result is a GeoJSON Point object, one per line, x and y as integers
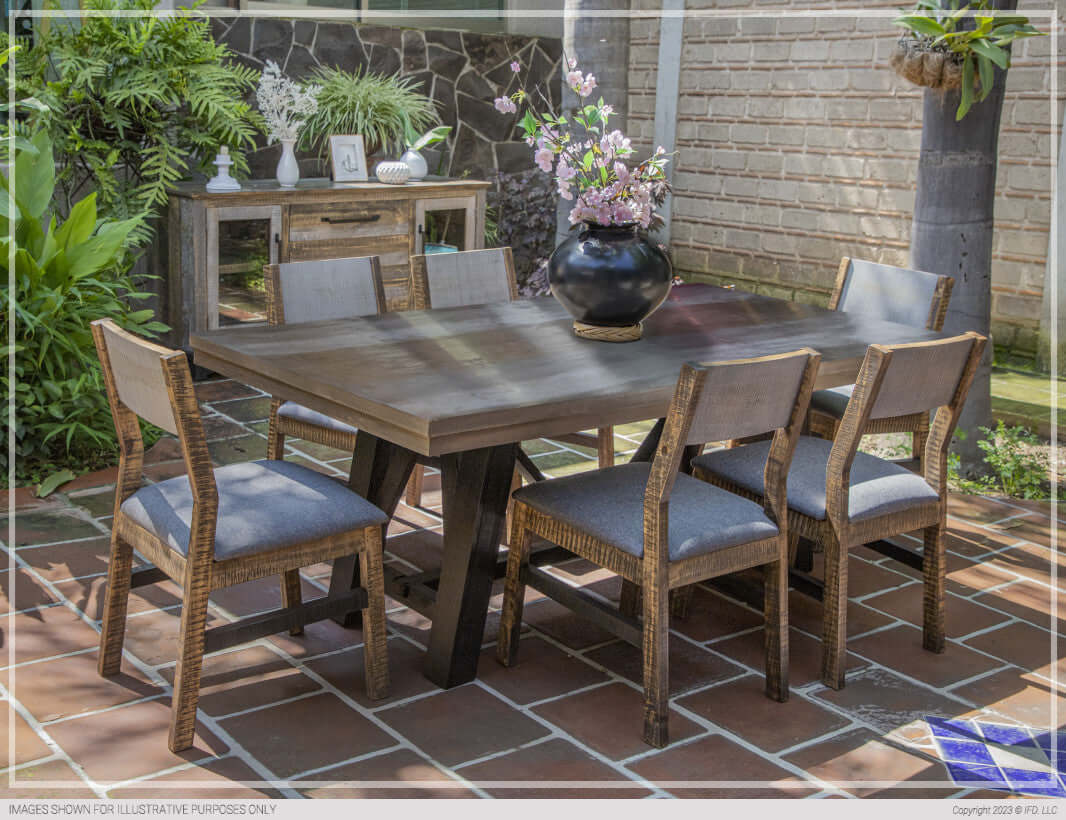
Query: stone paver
{"type": "Point", "coordinates": [294, 709]}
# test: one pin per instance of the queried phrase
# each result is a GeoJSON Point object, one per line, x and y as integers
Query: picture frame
{"type": "Point", "coordinates": [348, 158]}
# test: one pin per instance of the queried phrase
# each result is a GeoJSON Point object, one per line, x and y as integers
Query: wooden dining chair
{"type": "Point", "coordinates": [443, 280]}
{"type": "Point", "coordinates": [662, 529]}
{"type": "Point", "coordinates": [909, 297]}
{"type": "Point", "coordinates": [215, 528]}
{"type": "Point", "coordinates": [841, 498]}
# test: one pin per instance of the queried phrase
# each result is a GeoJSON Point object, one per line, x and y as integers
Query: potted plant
{"type": "Point", "coordinates": [941, 49]}
{"type": "Point", "coordinates": [384, 110]}
{"type": "Point", "coordinates": [607, 274]}
{"type": "Point", "coordinates": [285, 106]}
{"type": "Point", "coordinates": [413, 156]}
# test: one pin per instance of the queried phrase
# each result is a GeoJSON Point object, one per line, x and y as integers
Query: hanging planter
{"type": "Point", "coordinates": [927, 67]}
{"type": "Point", "coordinates": [957, 48]}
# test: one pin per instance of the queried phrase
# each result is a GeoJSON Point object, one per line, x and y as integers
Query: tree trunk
{"type": "Point", "coordinates": [952, 229]}
{"type": "Point", "coordinates": [601, 47]}
{"type": "Point", "coordinates": [1055, 279]}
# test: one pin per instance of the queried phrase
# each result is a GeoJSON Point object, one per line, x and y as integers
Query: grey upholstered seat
{"type": "Point", "coordinates": [262, 505]}
{"type": "Point", "coordinates": [877, 486]}
{"type": "Point", "coordinates": [297, 412]}
{"type": "Point", "coordinates": [833, 401]}
{"type": "Point", "coordinates": [609, 504]}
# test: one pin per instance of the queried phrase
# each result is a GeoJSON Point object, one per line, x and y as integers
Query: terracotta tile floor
{"type": "Point", "coordinates": [287, 716]}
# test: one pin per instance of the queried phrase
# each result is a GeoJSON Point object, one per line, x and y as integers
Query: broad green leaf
{"type": "Point", "coordinates": [920, 24]}
{"type": "Point", "coordinates": [990, 52]}
{"type": "Point", "coordinates": [987, 75]}
{"type": "Point", "coordinates": [50, 484]}
{"type": "Point", "coordinates": [967, 89]}
{"type": "Point", "coordinates": [431, 137]}
{"type": "Point", "coordinates": [35, 177]}
{"type": "Point", "coordinates": [79, 226]}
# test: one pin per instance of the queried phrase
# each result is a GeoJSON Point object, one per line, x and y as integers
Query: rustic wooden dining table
{"type": "Point", "coordinates": [468, 384]}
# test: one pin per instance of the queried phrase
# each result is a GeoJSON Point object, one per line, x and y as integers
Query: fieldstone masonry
{"type": "Point", "coordinates": [798, 145]}
{"type": "Point", "coordinates": [462, 71]}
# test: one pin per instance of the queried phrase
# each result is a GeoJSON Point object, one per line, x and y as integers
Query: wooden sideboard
{"type": "Point", "coordinates": [317, 219]}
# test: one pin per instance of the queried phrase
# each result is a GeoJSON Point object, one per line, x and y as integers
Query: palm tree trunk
{"type": "Point", "coordinates": [953, 222]}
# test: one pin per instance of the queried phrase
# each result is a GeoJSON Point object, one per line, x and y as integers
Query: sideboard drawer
{"type": "Point", "coordinates": [339, 221]}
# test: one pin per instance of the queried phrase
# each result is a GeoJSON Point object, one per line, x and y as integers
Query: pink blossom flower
{"type": "Point", "coordinates": [564, 189]}
{"type": "Point", "coordinates": [544, 159]}
{"type": "Point", "coordinates": [586, 86]}
{"type": "Point", "coordinates": [622, 172]}
{"type": "Point", "coordinates": [572, 63]}
{"type": "Point", "coordinates": [574, 79]}
{"type": "Point", "coordinates": [621, 212]}
{"type": "Point", "coordinates": [505, 105]}
{"type": "Point", "coordinates": [607, 110]}
{"type": "Point", "coordinates": [516, 66]}
{"type": "Point", "coordinates": [564, 171]}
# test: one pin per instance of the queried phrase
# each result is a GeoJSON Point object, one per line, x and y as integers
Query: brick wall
{"type": "Point", "coordinates": [798, 145]}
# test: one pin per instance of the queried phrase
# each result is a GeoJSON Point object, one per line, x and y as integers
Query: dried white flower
{"type": "Point", "coordinates": [285, 105]}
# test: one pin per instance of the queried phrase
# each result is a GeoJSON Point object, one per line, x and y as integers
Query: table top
{"type": "Point", "coordinates": [440, 381]}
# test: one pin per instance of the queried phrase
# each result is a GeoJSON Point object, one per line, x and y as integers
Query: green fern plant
{"type": "Point", "coordinates": [133, 104]}
{"type": "Point", "coordinates": [385, 110]}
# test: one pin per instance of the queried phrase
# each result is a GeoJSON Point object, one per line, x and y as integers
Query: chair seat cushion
{"type": "Point", "coordinates": [262, 505]}
{"type": "Point", "coordinates": [834, 401]}
{"type": "Point", "coordinates": [297, 412]}
{"type": "Point", "coordinates": [878, 487]}
{"type": "Point", "coordinates": [608, 504]}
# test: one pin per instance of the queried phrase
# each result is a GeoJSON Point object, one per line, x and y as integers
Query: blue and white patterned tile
{"type": "Point", "coordinates": [999, 756]}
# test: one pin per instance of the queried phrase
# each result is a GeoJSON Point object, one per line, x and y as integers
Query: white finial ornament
{"type": "Point", "coordinates": [223, 182]}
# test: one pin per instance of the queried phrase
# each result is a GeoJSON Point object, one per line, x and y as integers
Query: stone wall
{"type": "Point", "coordinates": [798, 145]}
{"type": "Point", "coordinates": [462, 71]}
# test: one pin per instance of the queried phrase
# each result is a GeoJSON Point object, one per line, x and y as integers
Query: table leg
{"type": "Point", "coordinates": [475, 487]}
{"type": "Point", "coordinates": [380, 470]}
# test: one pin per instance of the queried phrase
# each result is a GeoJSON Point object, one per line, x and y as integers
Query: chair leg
{"type": "Point", "coordinates": [775, 606]}
{"type": "Point", "coordinates": [934, 564]}
{"type": "Point", "coordinates": [834, 612]}
{"type": "Point", "coordinates": [605, 446]}
{"type": "Point", "coordinates": [656, 664]}
{"type": "Point", "coordinates": [630, 603]}
{"type": "Point", "coordinates": [508, 520]}
{"type": "Point", "coordinates": [190, 664]}
{"type": "Point", "coordinates": [375, 649]}
{"type": "Point", "coordinates": [275, 438]}
{"type": "Point", "coordinates": [291, 595]}
{"type": "Point", "coordinates": [514, 591]}
{"type": "Point", "coordinates": [113, 633]}
{"type": "Point", "coordinates": [413, 498]}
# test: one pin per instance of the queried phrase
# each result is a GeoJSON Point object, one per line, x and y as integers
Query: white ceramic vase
{"type": "Point", "coordinates": [288, 172]}
{"type": "Point", "coordinates": [417, 163]}
{"type": "Point", "coordinates": [394, 172]}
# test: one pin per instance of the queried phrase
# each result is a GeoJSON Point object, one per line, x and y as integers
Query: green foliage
{"type": "Point", "coordinates": [385, 110]}
{"type": "Point", "coordinates": [1018, 467]}
{"type": "Point", "coordinates": [65, 276]}
{"type": "Point", "coordinates": [982, 47]}
{"type": "Point", "coordinates": [136, 103]}
{"type": "Point", "coordinates": [431, 137]}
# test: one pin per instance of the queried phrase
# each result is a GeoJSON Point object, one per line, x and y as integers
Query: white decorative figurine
{"type": "Point", "coordinates": [222, 182]}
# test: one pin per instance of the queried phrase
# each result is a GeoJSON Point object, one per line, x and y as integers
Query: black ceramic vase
{"type": "Point", "coordinates": [609, 279]}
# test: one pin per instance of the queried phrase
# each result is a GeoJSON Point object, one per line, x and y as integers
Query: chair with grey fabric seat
{"type": "Point", "coordinates": [841, 498]}
{"type": "Point", "coordinates": [308, 291]}
{"type": "Point", "coordinates": [481, 277]}
{"type": "Point", "coordinates": [908, 297]}
{"type": "Point", "coordinates": [213, 529]}
{"type": "Point", "coordinates": [662, 529]}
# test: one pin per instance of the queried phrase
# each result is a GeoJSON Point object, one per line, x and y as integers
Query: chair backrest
{"type": "Point", "coordinates": [443, 280]}
{"type": "Point", "coordinates": [909, 297]}
{"type": "Point", "coordinates": [154, 383]}
{"type": "Point", "coordinates": [900, 380]}
{"type": "Point", "coordinates": [324, 289]}
{"type": "Point", "coordinates": [736, 399]}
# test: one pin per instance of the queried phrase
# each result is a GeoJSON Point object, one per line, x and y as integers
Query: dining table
{"type": "Point", "coordinates": [469, 384]}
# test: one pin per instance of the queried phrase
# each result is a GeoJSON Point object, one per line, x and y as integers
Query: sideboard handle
{"type": "Point", "coordinates": [368, 218]}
